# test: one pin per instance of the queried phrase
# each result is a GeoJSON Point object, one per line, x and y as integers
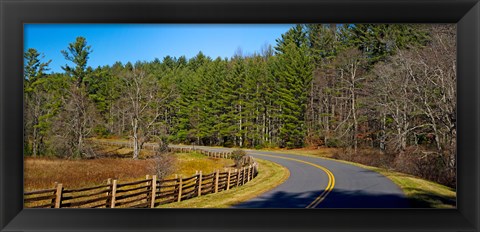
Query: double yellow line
{"type": "Point", "coordinates": [328, 189]}
{"type": "Point", "coordinates": [331, 178]}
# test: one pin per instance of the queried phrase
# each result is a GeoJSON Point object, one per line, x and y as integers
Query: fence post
{"type": "Point", "coordinates": [228, 179]}
{"type": "Point", "coordinates": [53, 200]}
{"type": "Point", "coordinates": [147, 185]}
{"type": "Point", "coordinates": [109, 182]}
{"type": "Point", "coordinates": [238, 176]}
{"type": "Point", "coordinates": [199, 183]}
{"type": "Point", "coordinates": [180, 189]}
{"type": "Point", "coordinates": [154, 191]}
{"type": "Point", "coordinates": [114, 192]}
{"type": "Point", "coordinates": [243, 175]}
{"type": "Point", "coordinates": [58, 195]}
{"type": "Point", "coordinates": [216, 181]}
{"type": "Point", "coordinates": [248, 172]}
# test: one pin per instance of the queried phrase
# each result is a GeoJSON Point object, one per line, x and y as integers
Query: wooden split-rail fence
{"type": "Point", "coordinates": [151, 146]}
{"type": "Point", "coordinates": [148, 193]}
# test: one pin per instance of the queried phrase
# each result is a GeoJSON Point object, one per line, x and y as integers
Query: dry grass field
{"type": "Point", "coordinates": [42, 173]}
{"type": "Point", "coordinates": [188, 163]}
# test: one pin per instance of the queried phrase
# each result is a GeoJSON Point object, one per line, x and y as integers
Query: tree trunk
{"type": "Point", "coordinates": [35, 142]}
{"type": "Point", "coordinates": [406, 124]}
{"type": "Point", "coordinates": [136, 144]}
{"type": "Point", "coordinates": [354, 114]}
{"type": "Point", "coordinates": [240, 127]}
{"type": "Point", "coordinates": [35, 129]}
{"type": "Point", "coordinates": [383, 131]}
{"type": "Point", "coordinates": [80, 144]}
{"type": "Point", "coordinates": [79, 134]}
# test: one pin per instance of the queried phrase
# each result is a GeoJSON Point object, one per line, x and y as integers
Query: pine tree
{"type": "Point", "coordinates": [293, 73]}
{"type": "Point", "coordinates": [79, 104]}
{"type": "Point", "coordinates": [379, 41]}
{"type": "Point", "coordinates": [36, 99]}
{"type": "Point", "coordinates": [77, 53]}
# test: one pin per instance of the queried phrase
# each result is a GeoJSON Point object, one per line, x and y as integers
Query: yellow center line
{"type": "Point", "coordinates": [331, 178]}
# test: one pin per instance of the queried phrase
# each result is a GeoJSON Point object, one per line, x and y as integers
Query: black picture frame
{"type": "Point", "coordinates": [13, 13]}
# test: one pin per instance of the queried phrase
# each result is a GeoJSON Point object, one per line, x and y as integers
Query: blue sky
{"type": "Point", "coordinates": [145, 42]}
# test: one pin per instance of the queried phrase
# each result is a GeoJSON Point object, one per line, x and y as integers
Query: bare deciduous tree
{"type": "Point", "coordinates": [74, 124]}
{"type": "Point", "coordinates": [350, 67]}
{"type": "Point", "coordinates": [146, 100]}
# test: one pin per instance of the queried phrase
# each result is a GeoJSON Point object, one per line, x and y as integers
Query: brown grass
{"type": "Point", "coordinates": [42, 173]}
{"type": "Point", "coordinates": [122, 152]}
{"type": "Point", "coordinates": [189, 163]}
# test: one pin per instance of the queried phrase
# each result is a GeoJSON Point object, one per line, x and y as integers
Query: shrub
{"type": "Point", "coordinates": [269, 145]}
{"type": "Point", "coordinates": [27, 151]}
{"type": "Point", "coordinates": [343, 154]}
{"type": "Point", "coordinates": [163, 165]}
{"type": "Point", "coordinates": [162, 146]}
{"type": "Point", "coordinates": [418, 161]}
{"type": "Point", "coordinates": [101, 131]}
{"type": "Point", "coordinates": [315, 140]}
{"type": "Point", "coordinates": [333, 142]}
{"type": "Point", "coordinates": [64, 148]}
{"type": "Point", "coordinates": [431, 165]}
{"type": "Point", "coordinates": [259, 146]}
{"type": "Point", "coordinates": [238, 157]}
{"type": "Point", "coordinates": [228, 143]}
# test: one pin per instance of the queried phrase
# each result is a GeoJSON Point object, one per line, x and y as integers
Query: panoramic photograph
{"type": "Point", "coordinates": [240, 116]}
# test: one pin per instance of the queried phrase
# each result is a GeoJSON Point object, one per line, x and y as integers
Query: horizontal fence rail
{"type": "Point", "coordinates": [148, 193]}
{"type": "Point", "coordinates": [151, 146]}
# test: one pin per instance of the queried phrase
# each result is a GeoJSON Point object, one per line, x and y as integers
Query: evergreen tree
{"type": "Point", "coordinates": [379, 41]}
{"type": "Point", "coordinates": [293, 73]}
{"type": "Point", "coordinates": [35, 112]}
{"type": "Point", "coordinates": [77, 53]}
{"type": "Point", "coordinates": [79, 107]}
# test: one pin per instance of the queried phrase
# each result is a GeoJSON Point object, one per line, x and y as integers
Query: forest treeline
{"type": "Point", "coordinates": [390, 88]}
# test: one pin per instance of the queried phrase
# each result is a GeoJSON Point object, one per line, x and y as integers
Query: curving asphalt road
{"type": "Point", "coordinates": [321, 183]}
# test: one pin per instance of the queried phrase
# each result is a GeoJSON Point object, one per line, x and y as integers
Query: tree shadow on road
{"type": "Point", "coordinates": [335, 199]}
